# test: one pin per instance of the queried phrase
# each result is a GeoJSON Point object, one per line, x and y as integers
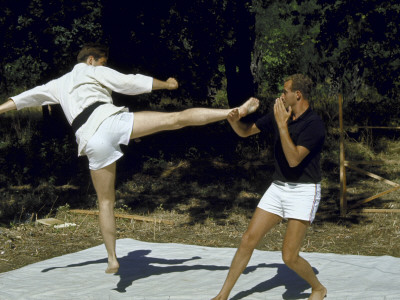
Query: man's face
{"type": "Point", "coordinates": [288, 96]}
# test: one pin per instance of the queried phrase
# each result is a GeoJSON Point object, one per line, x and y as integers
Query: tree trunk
{"type": "Point", "coordinates": [237, 56]}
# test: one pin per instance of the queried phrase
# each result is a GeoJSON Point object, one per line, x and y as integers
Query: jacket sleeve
{"type": "Point", "coordinates": [130, 84]}
{"type": "Point", "coordinates": [38, 96]}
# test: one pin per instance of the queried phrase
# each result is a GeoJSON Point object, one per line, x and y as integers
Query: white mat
{"type": "Point", "coordinates": [174, 271]}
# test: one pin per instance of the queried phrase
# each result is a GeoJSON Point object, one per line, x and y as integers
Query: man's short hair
{"type": "Point", "coordinates": [92, 49]}
{"type": "Point", "coordinates": [301, 83]}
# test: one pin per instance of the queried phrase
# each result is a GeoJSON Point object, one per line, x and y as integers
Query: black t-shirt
{"type": "Point", "coordinates": [308, 131]}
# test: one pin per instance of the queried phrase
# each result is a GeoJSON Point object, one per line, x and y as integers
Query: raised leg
{"type": "Point", "coordinates": [147, 122]}
{"type": "Point", "coordinates": [260, 224]}
{"type": "Point", "coordinates": [104, 184]}
{"type": "Point", "coordinates": [295, 233]}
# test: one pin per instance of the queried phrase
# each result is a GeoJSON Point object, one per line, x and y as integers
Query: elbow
{"type": "Point", "coordinates": [243, 134]}
{"type": "Point", "coordinates": [294, 163]}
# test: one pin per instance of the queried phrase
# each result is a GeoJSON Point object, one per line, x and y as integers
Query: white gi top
{"type": "Point", "coordinates": [80, 88]}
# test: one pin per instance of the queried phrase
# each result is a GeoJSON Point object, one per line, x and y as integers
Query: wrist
{"type": "Point", "coordinates": [282, 127]}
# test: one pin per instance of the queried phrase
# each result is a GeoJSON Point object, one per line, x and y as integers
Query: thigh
{"type": "Point", "coordinates": [261, 223]}
{"type": "Point", "coordinates": [149, 122]}
{"type": "Point", "coordinates": [294, 236]}
{"type": "Point", "coordinates": [104, 181]}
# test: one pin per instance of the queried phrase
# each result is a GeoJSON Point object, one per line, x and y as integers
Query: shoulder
{"type": "Point", "coordinates": [313, 124]}
{"type": "Point", "coordinates": [314, 117]}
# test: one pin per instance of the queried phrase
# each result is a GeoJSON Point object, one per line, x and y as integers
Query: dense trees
{"type": "Point", "coordinates": [349, 46]}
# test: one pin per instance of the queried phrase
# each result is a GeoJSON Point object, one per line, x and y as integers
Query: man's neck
{"type": "Point", "coordinates": [299, 109]}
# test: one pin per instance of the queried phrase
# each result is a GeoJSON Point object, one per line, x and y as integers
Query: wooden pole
{"type": "Point", "coordinates": [343, 200]}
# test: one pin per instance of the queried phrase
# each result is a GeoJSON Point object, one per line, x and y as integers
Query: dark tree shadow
{"type": "Point", "coordinates": [295, 285]}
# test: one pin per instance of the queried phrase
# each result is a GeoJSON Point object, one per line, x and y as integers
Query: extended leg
{"type": "Point", "coordinates": [147, 122]}
{"type": "Point", "coordinates": [104, 184]}
{"type": "Point", "coordinates": [295, 233]}
{"type": "Point", "coordinates": [260, 224]}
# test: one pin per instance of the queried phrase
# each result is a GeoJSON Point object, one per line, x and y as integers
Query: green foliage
{"type": "Point", "coordinates": [346, 47]}
{"type": "Point", "coordinates": [26, 70]}
{"type": "Point", "coordinates": [40, 38]}
{"type": "Point", "coordinates": [358, 44]}
{"type": "Point", "coordinates": [220, 99]}
{"type": "Point", "coordinates": [286, 36]}
{"type": "Point", "coordinates": [210, 46]}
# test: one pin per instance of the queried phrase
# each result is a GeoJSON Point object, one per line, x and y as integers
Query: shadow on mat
{"type": "Point", "coordinates": [137, 265]}
{"type": "Point", "coordinates": [295, 285]}
{"type": "Point", "coordinates": [91, 262]}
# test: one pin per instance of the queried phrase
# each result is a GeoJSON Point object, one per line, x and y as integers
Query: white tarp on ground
{"type": "Point", "coordinates": [175, 271]}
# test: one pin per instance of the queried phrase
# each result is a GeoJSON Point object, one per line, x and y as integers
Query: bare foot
{"type": "Point", "coordinates": [318, 294]}
{"type": "Point", "coordinates": [248, 107]}
{"type": "Point", "coordinates": [112, 267]}
{"type": "Point", "coordinates": [234, 115]}
{"type": "Point", "coordinates": [218, 298]}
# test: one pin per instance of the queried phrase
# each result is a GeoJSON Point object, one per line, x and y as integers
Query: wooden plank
{"type": "Point", "coordinates": [49, 221]}
{"type": "Point", "coordinates": [372, 162]}
{"type": "Point", "coordinates": [125, 216]}
{"type": "Point", "coordinates": [380, 210]}
{"type": "Point", "coordinates": [372, 175]}
{"type": "Point", "coordinates": [343, 200]}
{"type": "Point", "coordinates": [28, 187]}
{"type": "Point", "coordinates": [372, 127]}
{"type": "Point", "coordinates": [379, 127]}
{"type": "Point", "coordinates": [374, 197]}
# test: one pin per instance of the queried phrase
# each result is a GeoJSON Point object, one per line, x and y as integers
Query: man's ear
{"type": "Point", "coordinates": [90, 60]}
{"type": "Point", "coordinates": [298, 95]}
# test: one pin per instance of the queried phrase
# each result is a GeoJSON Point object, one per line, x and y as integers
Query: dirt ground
{"type": "Point", "coordinates": [212, 212]}
{"type": "Point", "coordinates": [29, 243]}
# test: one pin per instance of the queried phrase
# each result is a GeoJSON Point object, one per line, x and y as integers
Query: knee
{"type": "Point", "coordinates": [106, 202]}
{"type": "Point", "coordinates": [249, 241]}
{"type": "Point", "coordinates": [289, 258]}
{"type": "Point", "coordinates": [179, 119]}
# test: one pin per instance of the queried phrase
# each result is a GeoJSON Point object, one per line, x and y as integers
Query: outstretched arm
{"type": "Point", "coordinates": [7, 106]}
{"type": "Point", "coordinates": [169, 84]}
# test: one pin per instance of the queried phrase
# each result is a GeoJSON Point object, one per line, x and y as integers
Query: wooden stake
{"type": "Point", "coordinates": [343, 200]}
{"type": "Point", "coordinates": [372, 175]}
{"type": "Point", "coordinates": [375, 197]}
{"type": "Point", "coordinates": [124, 216]}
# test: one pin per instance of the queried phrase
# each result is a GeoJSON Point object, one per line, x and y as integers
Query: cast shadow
{"type": "Point", "coordinates": [138, 265]}
{"type": "Point", "coordinates": [295, 285]}
{"type": "Point", "coordinates": [86, 263]}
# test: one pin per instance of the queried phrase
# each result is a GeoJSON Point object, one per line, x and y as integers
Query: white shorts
{"type": "Point", "coordinates": [292, 200]}
{"type": "Point", "coordinates": [103, 147]}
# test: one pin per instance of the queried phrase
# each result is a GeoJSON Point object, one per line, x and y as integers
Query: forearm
{"type": "Point", "coordinates": [7, 106]}
{"type": "Point", "coordinates": [169, 84]}
{"type": "Point", "coordinates": [241, 129]}
{"type": "Point", "coordinates": [291, 151]}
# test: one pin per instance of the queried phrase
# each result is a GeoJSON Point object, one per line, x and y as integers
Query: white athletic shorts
{"type": "Point", "coordinates": [292, 200]}
{"type": "Point", "coordinates": [103, 148]}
